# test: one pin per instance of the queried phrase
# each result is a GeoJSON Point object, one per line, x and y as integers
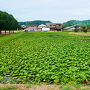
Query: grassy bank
{"type": "Point", "coordinates": [6, 38]}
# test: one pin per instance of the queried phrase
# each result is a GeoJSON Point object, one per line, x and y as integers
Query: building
{"type": "Point", "coordinates": [23, 27]}
{"type": "Point", "coordinates": [41, 26]}
{"type": "Point", "coordinates": [71, 28]}
{"type": "Point", "coordinates": [46, 29]}
{"type": "Point", "coordinates": [55, 27]}
{"type": "Point", "coordinates": [48, 25]}
{"type": "Point", "coordinates": [32, 27]}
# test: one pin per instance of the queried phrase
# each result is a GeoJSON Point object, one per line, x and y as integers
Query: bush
{"type": "Point", "coordinates": [76, 30]}
{"type": "Point", "coordinates": [84, 30]}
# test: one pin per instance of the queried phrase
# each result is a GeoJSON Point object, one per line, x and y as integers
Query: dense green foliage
{"type": "Point", "coordinates": [38, 22]}
{"type": "Point", "coordinates": [74, 22]}
{"type": "Point", "coordinates": [54, 57]}
{"type": "Point", "coordinates": [76, 30]}
{"type": "Point", "coordinates": [7, 22]}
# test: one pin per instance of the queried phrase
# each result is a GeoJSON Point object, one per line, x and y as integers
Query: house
{"type": "Point", "coordinates": [55, 27]}
{"type": "Point", "coordinates": [32, 27]}
{"type": "Point", "coordinates": [43, 27]}
{"type": "Point", "coordinates": [48, 25]}
{"type": "Point", "coordinates": [71, 28]}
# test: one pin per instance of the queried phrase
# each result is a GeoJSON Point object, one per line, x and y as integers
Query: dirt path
{"type": "Point", "coordinates": [82, 34]}
{"type": "Point", "coordinates": [30, 87]}
{"type": "Point", "coordinates": [40, 87]}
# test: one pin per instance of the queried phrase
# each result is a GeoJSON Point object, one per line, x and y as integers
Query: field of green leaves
{"type": "Point", "coordinates": [50, 57]}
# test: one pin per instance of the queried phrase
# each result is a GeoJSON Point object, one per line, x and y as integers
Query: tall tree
{"type": "Point", "coordinates": [7, 22]}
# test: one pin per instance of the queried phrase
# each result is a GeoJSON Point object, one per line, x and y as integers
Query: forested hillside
{"type": "Point", "coordinates": [38, 22]}
{"type": "Point", "coordinates": [73, 22]}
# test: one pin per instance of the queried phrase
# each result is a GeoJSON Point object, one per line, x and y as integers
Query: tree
{"type": "Point", "coordinates": [7, 22]}
{"type": "Point", "coordinates": [88, 27]}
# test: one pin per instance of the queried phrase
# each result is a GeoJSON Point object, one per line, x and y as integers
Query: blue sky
{"type": "Point", "coordinates": [57, 11]}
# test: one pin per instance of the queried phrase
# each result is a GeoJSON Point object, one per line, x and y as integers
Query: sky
{"type": "Point", "coordinates": [57, 11]}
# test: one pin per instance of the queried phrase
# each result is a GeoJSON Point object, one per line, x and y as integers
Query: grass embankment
{"type": "Point", "coordinates": [81, 33]}
{"type": "Point", "coordinates": [6, 38]}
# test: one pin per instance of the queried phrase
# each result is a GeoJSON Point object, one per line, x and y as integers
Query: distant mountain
{"type": "Point", "coordinates": [38, 22]}
{"type": "Point", "coordinates": [73, 22]}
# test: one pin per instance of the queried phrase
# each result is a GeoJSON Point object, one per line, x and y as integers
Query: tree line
{"type": "Point", "coordinates": [8, 22]}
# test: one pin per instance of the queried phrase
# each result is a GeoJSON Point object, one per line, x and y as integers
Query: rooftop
{"type": "Point", "coordinates": [54, 23]}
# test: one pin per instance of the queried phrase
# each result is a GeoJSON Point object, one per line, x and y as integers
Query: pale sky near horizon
{"type": "Point", "coordinates": [57, 11]}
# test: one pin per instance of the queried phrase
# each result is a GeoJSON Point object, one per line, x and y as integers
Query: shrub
{"type": "Point", "coordinates": [84, 30]}
{"type": "Point", "coordinates": [76, 30]}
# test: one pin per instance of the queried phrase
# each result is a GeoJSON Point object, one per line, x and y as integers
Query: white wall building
{"type": "Point", "coordinates": [42, 26]}
{"type": "Point", "coordinates": [45, 29]}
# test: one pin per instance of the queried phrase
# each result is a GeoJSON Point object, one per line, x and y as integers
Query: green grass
{"type": "Point", "coordinates": [8, 88]}
{"type": "Point", "coordinates": [1, 35]}
{"type": "Point", "coordinates": [6, 38]}
{"type": "Point", "coordinates": [28, 86]}
{"type": "Point", "coordinates": [71, 87]}
{"type": "Point", "coordinates": [50, 57]}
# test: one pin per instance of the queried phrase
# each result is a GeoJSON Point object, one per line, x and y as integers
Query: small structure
{"type": "Point", "coordinates": [23, 27]}
{"type": "Point", "coordinates": [32, 27]}
{"type": "Point", "coordinates": [55, 27]}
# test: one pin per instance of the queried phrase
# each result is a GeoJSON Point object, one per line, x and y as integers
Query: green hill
{"type": "Point", "coordinates": [73, 22]}
{"type": "Point", "coordinates": [38, 22]}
